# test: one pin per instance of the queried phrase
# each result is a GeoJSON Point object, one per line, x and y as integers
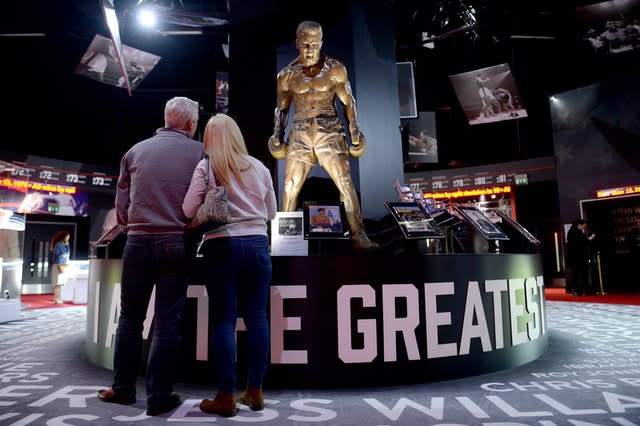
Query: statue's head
{"type": "Point", "coordinates": [309, 42]}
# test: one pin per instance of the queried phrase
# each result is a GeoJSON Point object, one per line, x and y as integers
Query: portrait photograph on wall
{"type": "Point", "coordinates": [610, 27]}
{"type": "Point", "coordinates": [487, 95]}
{"type": "Point", "coordinates": [100, 63]}
{"type": "Point", "coordinates": [420, 144]}
{"type": "Point", "coordinates": [222, 92]}
{"type": "Point", "coordinates": [407, 90]}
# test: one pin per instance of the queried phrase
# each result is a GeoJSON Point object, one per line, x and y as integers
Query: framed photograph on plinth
{"type": "Point", "coordinates": [413, 219]}
{"type": "Point", "coordinates": [286, 235]}
{"type": "Point", "coordinates": [325, 220]}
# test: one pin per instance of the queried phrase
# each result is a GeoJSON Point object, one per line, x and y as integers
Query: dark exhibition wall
{"type": "Point", "coordinates": [95, 123]}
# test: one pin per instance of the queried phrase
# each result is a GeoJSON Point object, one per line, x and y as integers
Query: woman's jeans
{"type": "Point", "coordinates": [237, 280]}
{"type": "Point", "coordinates": [149, 260]}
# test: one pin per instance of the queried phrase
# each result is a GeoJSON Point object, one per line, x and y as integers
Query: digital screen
{"type": "Point", "coordinates": [110, 235]}
{"type": "Point", "coordinates": [414, 221]}
{"type": "Point", "coordinates": [515, 225]}
{"type": "Point", "coordinates": [481, 223]}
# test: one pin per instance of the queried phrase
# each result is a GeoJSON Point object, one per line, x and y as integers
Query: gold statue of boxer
{"type": "Point", "coordinates": [310, 83]}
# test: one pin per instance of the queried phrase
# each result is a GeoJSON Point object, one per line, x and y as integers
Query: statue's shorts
{"type": "Point", "coordinates": [316, 140]}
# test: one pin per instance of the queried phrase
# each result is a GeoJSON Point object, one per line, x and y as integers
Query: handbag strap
{"type": "Point", "coordinates": [206, 177]}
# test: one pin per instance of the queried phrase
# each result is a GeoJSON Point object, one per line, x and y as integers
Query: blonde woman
{"type": "Point", "coordinates": [238, 265]}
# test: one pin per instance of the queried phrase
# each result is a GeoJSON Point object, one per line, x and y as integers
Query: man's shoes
{"type": "Point", "coordinates": [224, 404]}
{"type": "Point", "coordinates": [109, 395]}
{"type": "Point", "coordinates": [174, 401]}
{"type": "Point", "coordinates": [254, 398]}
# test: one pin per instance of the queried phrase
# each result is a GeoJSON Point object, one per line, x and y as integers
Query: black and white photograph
{"type": "Point", "coordinates": [290, 226]}
{"type": "Point", "coordinates": [419, 138]}
{"type": "Point", "coordinates": [100, 63]}
{"type": "Point", "coordinates": [610, 27]}
{"type": "Point", "coordinates": [487, 95]}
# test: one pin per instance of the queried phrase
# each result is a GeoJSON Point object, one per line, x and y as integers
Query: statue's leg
{"type": "Point", "coordinates": [296, 173]}
{"type": "Point", "coordinates": [339, 170]}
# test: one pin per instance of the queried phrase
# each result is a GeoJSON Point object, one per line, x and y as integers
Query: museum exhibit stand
{"type": "Point", "coordinates": [348, 318]}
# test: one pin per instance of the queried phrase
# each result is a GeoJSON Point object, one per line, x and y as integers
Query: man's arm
{"type": "Point", "coordinates": [122, 194]}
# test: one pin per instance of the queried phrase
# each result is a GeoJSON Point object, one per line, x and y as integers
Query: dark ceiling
{"type": "Point", "coordinates": [53, 112]}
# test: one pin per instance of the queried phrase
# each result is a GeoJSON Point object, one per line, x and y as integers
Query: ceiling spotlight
{"type": "Point", "coordinates": [172, 16]}
{"type": "Point", "coordinates": [147, 18]}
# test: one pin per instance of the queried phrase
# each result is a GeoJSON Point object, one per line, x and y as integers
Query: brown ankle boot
{"type": "Point", "coordinates": [254, 398]}
{"type": "Point", "coordinates": [224, 404]}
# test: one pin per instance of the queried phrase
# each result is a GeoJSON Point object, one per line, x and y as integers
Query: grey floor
{"type": "Point", "coordinates": [590, 375]}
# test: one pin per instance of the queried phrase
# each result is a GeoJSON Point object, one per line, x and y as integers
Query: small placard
{"type": "Point", "coordinates": [287, 238]}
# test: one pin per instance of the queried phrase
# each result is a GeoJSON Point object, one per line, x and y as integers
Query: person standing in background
{"type": "Point", "coordinates": [236, 261]}
{"type": "Point", "coordinates": [60, 252]}
{"type": "Point", "coordinates": [578, 253]}
{"type": "Point", "coordinates": [632, 242]}
{"type": "Point", "coordinates": [154, 178]}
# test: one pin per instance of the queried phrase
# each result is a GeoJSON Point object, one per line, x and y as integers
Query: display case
{"type": "Point", "coordinates": [413, 220]}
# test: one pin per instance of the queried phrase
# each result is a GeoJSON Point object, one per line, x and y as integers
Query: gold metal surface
{"type": "Point", "coordinates": [311, 83]}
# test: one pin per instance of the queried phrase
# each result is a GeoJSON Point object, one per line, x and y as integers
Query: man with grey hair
{"type": "Point", "coordinates": [154, 178]}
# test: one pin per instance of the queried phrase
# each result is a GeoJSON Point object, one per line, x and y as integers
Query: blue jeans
{"type": "Point", "coordinates": [237, 280]}
{"type": "Point", "coordinates": [150, 260]}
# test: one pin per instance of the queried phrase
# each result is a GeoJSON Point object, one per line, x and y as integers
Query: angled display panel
{"type": "Point", "coordinates": [414, 221]}
{"type": "Point", "coordinates": [481, 224]}
{"type": "Point", "coordinates": [515, 225]}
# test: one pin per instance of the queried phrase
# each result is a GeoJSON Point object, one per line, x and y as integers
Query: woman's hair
{"type": "Point", "coordinates": [178, 111]}
{"type": "Point", "coordinates": [226, 149]}
{"type": "Point", "coordinates": [59, 236]}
